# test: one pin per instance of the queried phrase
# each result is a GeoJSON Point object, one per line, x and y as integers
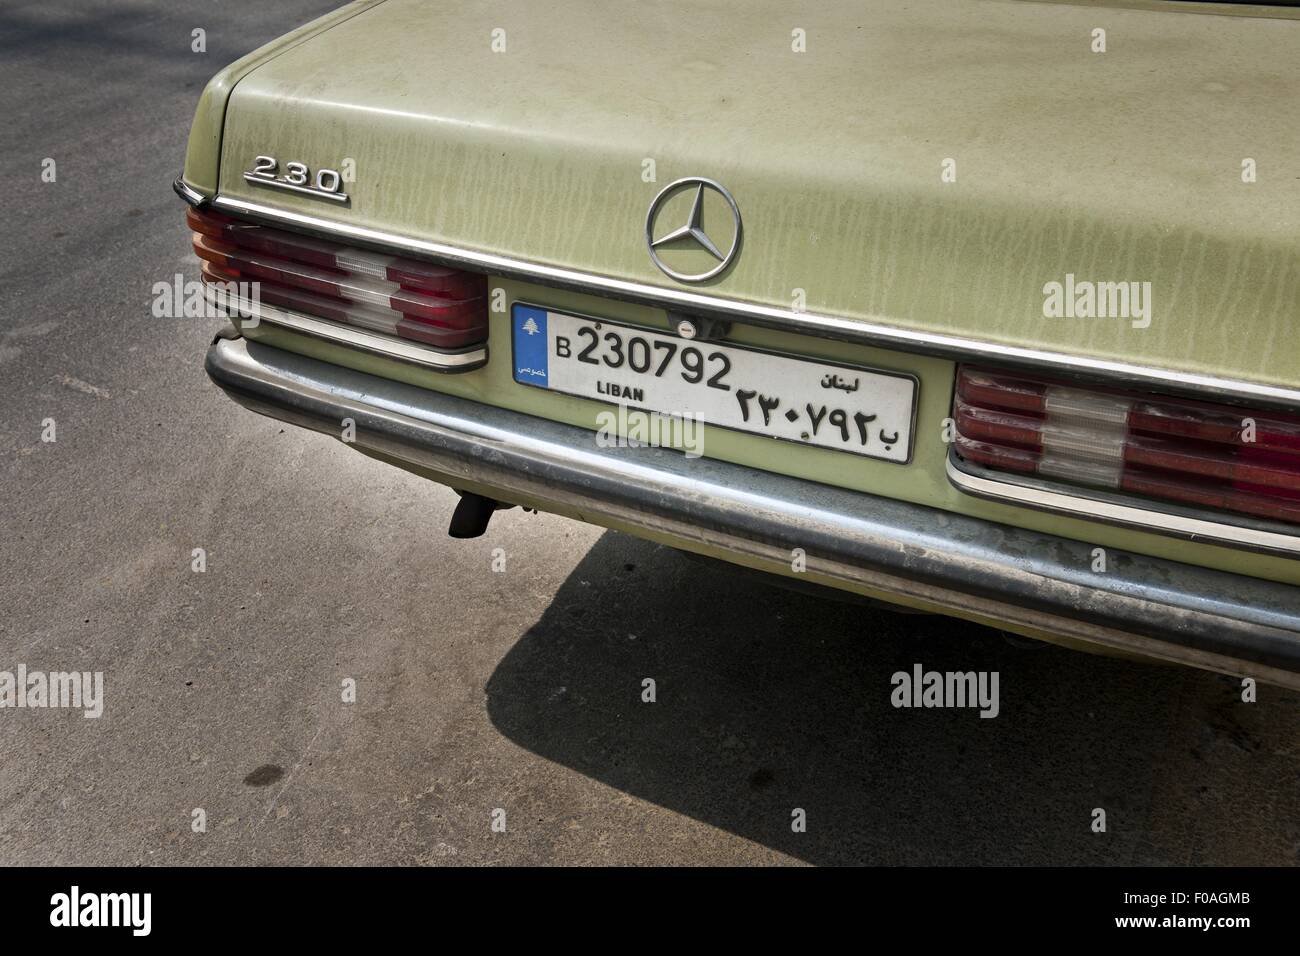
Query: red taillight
{"type": "Point", "coordinates": [1198, 453]}
{"type": "Point", "coordinates": [405, 298]}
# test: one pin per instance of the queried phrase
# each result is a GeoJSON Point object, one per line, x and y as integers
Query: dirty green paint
{"type": "Point", "coordinates": [1122, 166]}
{"type": "Point", "coordinates": [204, 148]}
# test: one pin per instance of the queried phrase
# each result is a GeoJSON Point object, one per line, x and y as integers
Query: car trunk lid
{"type": "Point", "coordinates": [951, 169]}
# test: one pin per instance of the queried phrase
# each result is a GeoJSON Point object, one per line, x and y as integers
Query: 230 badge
{"type": "Point", "coordinates": [297, 178]}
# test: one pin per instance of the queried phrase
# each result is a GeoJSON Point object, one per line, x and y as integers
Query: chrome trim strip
{"type": "Point", "coordinates": [189, 194]}
{"type": "Point", "coordinates": [411, 353]}
{"type": "Point", "coordinates": [290, 187]}
{"type": "Point", "coordinates": [1081, 505]}
{"type": "Point", "coordinates": [967, 566]}
{"type": "Point", "coordinates": [804, 323]}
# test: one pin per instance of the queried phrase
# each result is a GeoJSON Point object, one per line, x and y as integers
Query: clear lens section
{"type": "Point", "coordinates": [1074, 403]}
{"type": "Point", "coordinates": [360, 264]}
{"type": "Point", "coordinates": [1075, 440]}
{"type": "Point", "coordinates": [1099, 474]}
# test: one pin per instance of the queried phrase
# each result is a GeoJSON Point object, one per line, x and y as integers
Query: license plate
{"type": "Point", "coordinates": [809, 401]}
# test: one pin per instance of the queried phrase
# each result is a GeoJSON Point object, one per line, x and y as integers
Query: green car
{"type": "Point", "coordinates": [987, 309]}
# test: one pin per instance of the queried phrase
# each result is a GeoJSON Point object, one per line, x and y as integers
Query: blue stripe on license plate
{"type": "Point", "coordinates": [528, 325]}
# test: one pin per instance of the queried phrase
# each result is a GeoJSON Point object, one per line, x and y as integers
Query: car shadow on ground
{"type": "Point", "coordinates": [770, 701]}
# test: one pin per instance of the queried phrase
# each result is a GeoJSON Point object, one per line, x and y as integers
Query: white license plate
{"type": "Point", "coordinates": [858, 410]}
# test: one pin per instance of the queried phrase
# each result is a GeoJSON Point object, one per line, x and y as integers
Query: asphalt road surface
{"type": "Point", "coordinates": [476, 691]}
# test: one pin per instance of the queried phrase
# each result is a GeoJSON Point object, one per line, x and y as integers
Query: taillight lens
{"type": "Point", "coordinates": [405, 298]}
{"type": "Point", "coordinates": [1220, 457]}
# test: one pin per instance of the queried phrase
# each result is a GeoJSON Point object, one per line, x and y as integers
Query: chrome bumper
{"type": "Point", "coordinates": [974, 568]}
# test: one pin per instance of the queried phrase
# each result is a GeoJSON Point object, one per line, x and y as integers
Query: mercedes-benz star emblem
{"type": "Point", "coordinates": [693, 230]}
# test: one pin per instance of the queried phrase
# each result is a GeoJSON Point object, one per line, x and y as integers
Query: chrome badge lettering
{"type": "Point", "coordinates": [297, 178]}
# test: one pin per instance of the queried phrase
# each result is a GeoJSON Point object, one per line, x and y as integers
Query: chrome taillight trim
{"type": "Point", "coordinates": [463, 360]}
{"type": "Point", "coordinates": [1112, 508]}
{"type": "Point", "coordinates": [803, 323]}
{"type": "Point", "coordinates": [187, 192]}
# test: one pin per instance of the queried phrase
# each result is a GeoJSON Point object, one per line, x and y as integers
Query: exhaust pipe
{"type": "Point", "coordinates": [472, 514]}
